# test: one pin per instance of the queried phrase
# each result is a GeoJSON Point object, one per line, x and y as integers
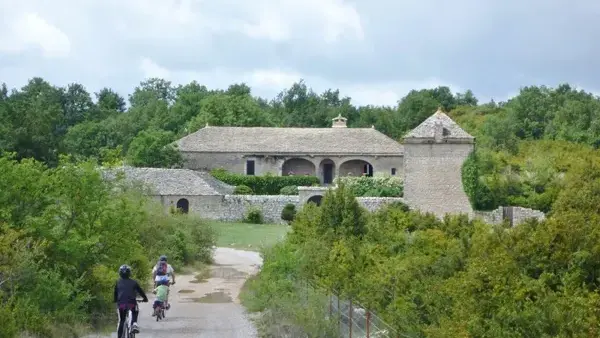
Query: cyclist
{"type": "Point", "coordinates": [162, 296]}
{"type": "Point", "coordinates": [125, 294]}
{"type": "Point", "coordinates": [162, 270]}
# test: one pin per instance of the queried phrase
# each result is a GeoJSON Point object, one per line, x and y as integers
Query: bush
{"type": "Point", "coordinates": [243, 190]}
{"type": "Point", "coordinates": [65, 231]}
{"type": "Point", "coordinates": [254, 216]}
{"type": "Point", "coordinates": [377, 186]}
{"type": "Point", "coordinates": [289, 190]}
{"type": "Point", "coordinates": [288, 213]}
{"type": "Point", "coordinates": [264, 185]}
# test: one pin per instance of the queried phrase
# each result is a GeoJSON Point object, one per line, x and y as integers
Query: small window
{"type": "Point", "coordinates": [393, 171]}
{"type": "Point", "coordinates": [250, 167]}
{"type": "Point", "coordinates": [445, 132]}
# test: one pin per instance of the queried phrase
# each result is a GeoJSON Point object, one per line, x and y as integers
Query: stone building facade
{"type": "Point", "coordinates": [434, 153]}
{"type": "Point", "coordinates": [430, 161]}
{"type": "Point", "coordinates": [323, 152]}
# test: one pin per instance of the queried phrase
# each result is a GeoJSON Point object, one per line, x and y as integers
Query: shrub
{"type": "Point", "coordinates": [243, 190]}
{"type": "Point", "coordinates": [288, 213]}
{"type": "Point", "coordinates": [254, 216]}
{"type": "Point", "coordinates": [377, 186]}
{"type": "Point", "coordinates": [65, 231]}
{"type": "Point", "coordinates": [289, 190]}
{"type": "Point", "coordinates": [264, 185]}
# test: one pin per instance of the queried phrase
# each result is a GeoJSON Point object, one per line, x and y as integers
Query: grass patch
{"type": "Point", "coordinates": [247, 296]}
{"type": "Point", "coordinates": [248, 236]}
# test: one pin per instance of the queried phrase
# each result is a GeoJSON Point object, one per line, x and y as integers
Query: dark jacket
{"type": "Point", "coordinates": [125, 291]}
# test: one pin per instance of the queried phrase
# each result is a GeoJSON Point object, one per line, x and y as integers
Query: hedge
{"type": "Point", "coordinates": [264, 185]}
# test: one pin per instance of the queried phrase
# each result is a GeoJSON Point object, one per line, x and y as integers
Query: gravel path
{"type": "Point", "coordinates": [208, 308]}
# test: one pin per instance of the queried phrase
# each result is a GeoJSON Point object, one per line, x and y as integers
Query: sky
{"type": "Point", "coordinates": [374, 51]}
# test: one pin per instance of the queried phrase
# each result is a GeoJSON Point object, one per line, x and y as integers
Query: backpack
{"type": "Point", "coordinates": [161, 268]}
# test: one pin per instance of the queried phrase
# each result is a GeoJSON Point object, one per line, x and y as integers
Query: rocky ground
{"type": "Point", "coordinates": [205, 305]}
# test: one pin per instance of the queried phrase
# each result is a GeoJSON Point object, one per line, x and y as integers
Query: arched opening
{"type": "Point", "coordinates": [298, 166]}
{"type": "Point", "coordinates": [316, 199]}
{"type": "Point", "coordinates": [183, 205]}
{"type": "Point", "coordinates": [327, 170]}
{"type": "Point", "coordinates": [356, 168]}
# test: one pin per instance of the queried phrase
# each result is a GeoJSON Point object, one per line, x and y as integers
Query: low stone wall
{"type": "Point", "coordinates": [519, 215]}
{"type": "Point", "coordinates": [374, 203]}
{"type": "Point", "coordinates": [235, 207]}
{"type": "Point", "coordinates": [232, 208]}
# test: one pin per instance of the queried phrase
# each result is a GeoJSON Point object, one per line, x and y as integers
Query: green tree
{"type": "Point", "coordinates": [153, 148]}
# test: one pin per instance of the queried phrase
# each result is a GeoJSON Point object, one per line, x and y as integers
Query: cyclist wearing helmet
{"type": "Point", "coordinates": [126, 290]}
{"type": "Point", "coordinates": [162, 271]}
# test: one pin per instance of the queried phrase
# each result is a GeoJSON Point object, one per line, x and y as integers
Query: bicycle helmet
{"type": "Point", "coordinates": [125, 271]}
{"type": "Point", "coordinates": [163, 258]}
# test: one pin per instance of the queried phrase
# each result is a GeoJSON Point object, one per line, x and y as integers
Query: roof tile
{"type": "Point", "coordinates": [290, 141]}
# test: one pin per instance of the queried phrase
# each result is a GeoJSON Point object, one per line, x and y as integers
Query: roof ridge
{"type": "Point", "coordinates": [428, 129]}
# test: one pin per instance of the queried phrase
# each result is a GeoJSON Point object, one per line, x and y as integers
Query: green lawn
{"type": "Point", "coordinates": [248, 236]}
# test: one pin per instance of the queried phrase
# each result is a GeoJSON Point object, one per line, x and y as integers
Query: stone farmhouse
{"type": "Point", "coordinates": [323, 152]}
{"type": "Point", "coordinates": [429, 159]}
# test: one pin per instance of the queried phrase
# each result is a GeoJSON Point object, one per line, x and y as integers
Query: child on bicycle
{"type": "Point", "coordinates": [126, 290]}
{"type": "Point", "coordinates": [162, 295]}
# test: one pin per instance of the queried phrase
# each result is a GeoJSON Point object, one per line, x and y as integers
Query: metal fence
{"type": "Point", "coordinates": [354, 320]}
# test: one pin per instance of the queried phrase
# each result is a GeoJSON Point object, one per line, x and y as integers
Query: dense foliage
{"type": "Point", "coordinates": [376, 186]}
{"type": "Point", "coordinates": [265, 184]}
{"type": "Point", "coordinates": [243, 190]}
{"type": "Point", "coordinates": [449, 278]}
{"type": "Point", "coordinates": [43, 121]}
{"type": "Point", "coordinates": [65, 231]}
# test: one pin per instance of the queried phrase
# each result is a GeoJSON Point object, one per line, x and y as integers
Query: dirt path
{"type": "Point", "coordinates": [205, 306]}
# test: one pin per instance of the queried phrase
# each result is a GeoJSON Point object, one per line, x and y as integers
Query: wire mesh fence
{"type": "Point", "coordinates": [352, 319]}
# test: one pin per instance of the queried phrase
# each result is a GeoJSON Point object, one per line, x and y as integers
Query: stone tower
{"type": "Point", "coordinates": [433, 156]}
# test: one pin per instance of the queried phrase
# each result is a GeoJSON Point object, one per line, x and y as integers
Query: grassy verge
{"type": "Point", "coordinates": [248, 236]}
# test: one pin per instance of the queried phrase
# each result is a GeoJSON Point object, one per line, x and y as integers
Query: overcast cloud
{"type": "Point", "coordinates": [372, 50]}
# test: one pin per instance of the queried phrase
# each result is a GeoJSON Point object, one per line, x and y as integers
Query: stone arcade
{"type": "Point", "coordinates": [324, 152]}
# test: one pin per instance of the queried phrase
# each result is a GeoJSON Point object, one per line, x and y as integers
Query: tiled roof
{"type": "Point", "coordinates": [174, 181]}
{"type": "Point", "coordinates": [290, 141]}
{"type": "Point", "coordinates": [427, 129]}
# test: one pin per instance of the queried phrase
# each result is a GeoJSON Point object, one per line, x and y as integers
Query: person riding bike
{"type": "Point", "coordinates": [125, 297]}
{"type": "Point", "coordinates": [162, 296]}
{"type": "Point", "coordinates": [162, 271]}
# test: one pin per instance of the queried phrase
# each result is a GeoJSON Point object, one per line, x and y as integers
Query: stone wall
{"type": "Point", "coordinates": [433, 178]}
{"type": "Point", "coordinates": [514, 215]}
{"type": "Point", "coordinates": [236, 206]}
{"type": "Point", "coordinates": [374, 203]}
{"type": "Point", "coordinates": [233, 208]}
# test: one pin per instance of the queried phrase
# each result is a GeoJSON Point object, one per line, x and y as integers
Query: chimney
{"type": "Point", "coordinates": [338, 122]}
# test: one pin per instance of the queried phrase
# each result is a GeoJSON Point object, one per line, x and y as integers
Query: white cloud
{"type": "Point", "coordinates": [279, 20]}
{"type": "Point", "coordinates": [150, 69]}
{"type": "Point", "coordinates": [31, 30]}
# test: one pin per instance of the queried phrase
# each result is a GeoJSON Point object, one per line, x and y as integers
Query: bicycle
{"type": "Point", "coordinates": [159, 312]}
{"type": "Point", "coordinates": [127, 333]}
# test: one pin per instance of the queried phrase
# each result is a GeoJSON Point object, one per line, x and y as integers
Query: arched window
{"type": "Point", "coordinates": [316, 199]}
{"type": "Point", "coordinates": [183, 205]}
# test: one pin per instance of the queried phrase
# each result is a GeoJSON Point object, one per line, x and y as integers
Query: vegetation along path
{"type": "Point", "coordinates": [206, 305]}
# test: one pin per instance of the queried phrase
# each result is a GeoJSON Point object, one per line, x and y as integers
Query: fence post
{"type": "Point", "coordinates": [350, 317]}
{"type": "Point", "coordinates": [368, 322]}
{"type": "Point", "coordinates": [337, 296]}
